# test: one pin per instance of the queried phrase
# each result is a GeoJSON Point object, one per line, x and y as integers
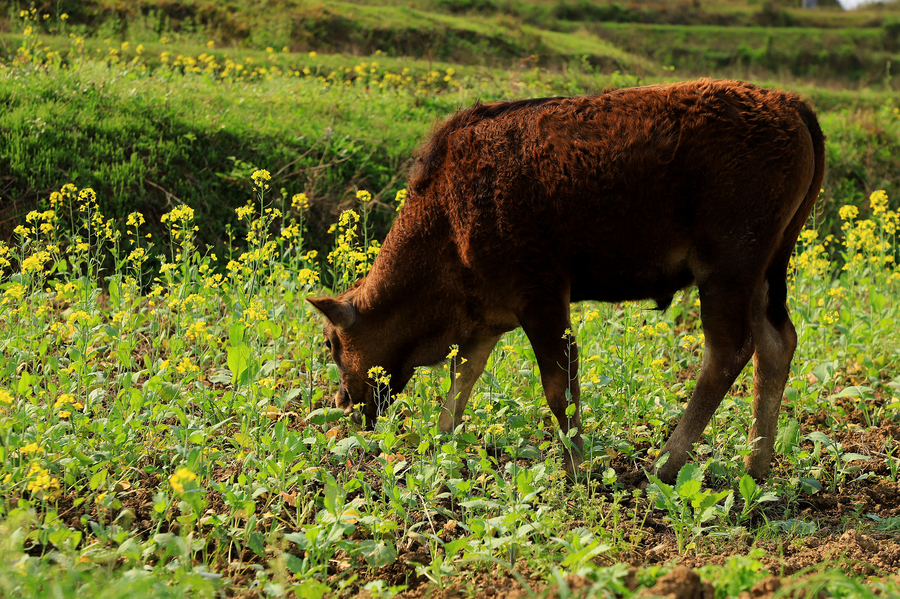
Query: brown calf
{"type": "Point", "coordinates": [517, 209]}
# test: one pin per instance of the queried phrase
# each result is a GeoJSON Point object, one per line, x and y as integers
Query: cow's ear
{"type": "Point", "coordinates": [342, 314]}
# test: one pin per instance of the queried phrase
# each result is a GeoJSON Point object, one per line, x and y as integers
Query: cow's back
{"type": "Point", "coordinates": [569, 186]}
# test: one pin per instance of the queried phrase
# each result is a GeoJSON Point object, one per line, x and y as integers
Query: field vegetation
{"type": "Point", "coordinates": [176, 177]}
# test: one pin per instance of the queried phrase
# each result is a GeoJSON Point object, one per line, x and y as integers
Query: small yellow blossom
{"type": "Point", "coordinates": [260, 178]}
{"type": "Point", "coordinates": [300, 202]}
{"type": "Point", "coordinates": [41, 479]}
{"type": "Point", "coordinates": [377, 374]}
{"type": "Point", "coordinates": [181, 476]}
{"type": "Point", "coordinates": [878, 201]}
{"type": "Point", "coordinates": [848, 212]}
{"type": "Point", "coordinates": [63, 399]}
{"type": "Point", "coordinates": [32, 448]}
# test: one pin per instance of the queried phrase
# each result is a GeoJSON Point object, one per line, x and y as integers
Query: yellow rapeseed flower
{"type": "Point", "coordinates": [300, 202]}
{"type": "Point", "coordinates": [260, 178]}
{"type": "Point", "coordinates": [848, 212]}
{"type": "Point", "coordinates": [135, 219]}
{"type": "Point", "coordinates": [181, 476]}
{"type": "Point", "coordinates": [687, 341]}
{"type": "Point", "coordinates": [377, 374]}
{"type": "Point", "coordinates": [878, 201]}
{"type": "Point", "coordinates": [32, 448]}
{"type": "Point", "coordinates": [63, 399]}
{"type": "Point", "coordinates": [400, 198]}
{"type": "Point", "coordinates": [6, 397]}
{"type": "Point", "coordinates": [41, 479]}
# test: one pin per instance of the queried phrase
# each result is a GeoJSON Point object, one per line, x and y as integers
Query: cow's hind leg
{"type": "Point", "coordinates": [775, 339]}
{"type": "Point", "coordinates": [467, 366]}
{"type": "Point", "coordinates": [548, 328]}
{"type": "Point", "coordinates": [725, 314]}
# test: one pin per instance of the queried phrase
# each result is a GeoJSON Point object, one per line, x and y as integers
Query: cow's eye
{"type": "Point", "coordinates": [328, 344]}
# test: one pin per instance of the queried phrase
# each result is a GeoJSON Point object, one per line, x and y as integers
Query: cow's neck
{"type": "Point", "coordinates": [409, 293]}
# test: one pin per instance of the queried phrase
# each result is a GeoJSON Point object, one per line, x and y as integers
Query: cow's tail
{"type": "Point", "coordinates": [776, 275]}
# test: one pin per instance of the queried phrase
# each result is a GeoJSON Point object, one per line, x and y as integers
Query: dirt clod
{"type": "Point", "coordinates": [680, 583]}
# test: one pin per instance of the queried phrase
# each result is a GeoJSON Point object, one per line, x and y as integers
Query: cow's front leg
{"type": "Point", "coordinates": [549, 330]}
{"type": "Point", "coordinates": [465, 369]}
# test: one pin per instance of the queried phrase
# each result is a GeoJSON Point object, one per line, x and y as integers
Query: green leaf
{"type": "Point", "coordinates": [729, 502]}
{"type": "Point", "coordinates": [311, 589]}
{"type": "Point", "coordinates": [854, 391]}
{"type": "Point", "coordinates": [267, 327]}
{"type": "Point", "coordinates": [819, 437]}
{"type": "Point", "coordinates": [60, 536]}
{"type": "Point", "coordinates": [378, 554]}
{"type": "Point", "coordinates": [810, 485]}
{"type": "Point", "coordinates": [333, 497]}
{"type": "Point", "coordinates": [748, 488]}
{"type": "Point", "coordinates": [323, 415]}
{"type": "Point", "coordinates": [707, 500]}
{"type": "Point", "coordinates": [688, 488]}
{"type": "Point", "coordinates": [788, 437]}
{"type": "Point", "coordinates": [689, 472]}
{"type": "Point", "coordinates": [236, 334]}
{"type": "Point", "coordinates": [257, 543]}
{"type": "Point", "coordinates": [824, 372]}
{"type": "Point", "coordinates": [98, 479]}
{"type": "Point", "coordinates": [300, 539]}
{"type": "Point", "coordinates": [238, 361]}
{"type": "Point", "coordinates": [665, 495]}
{"type": "Point", "coordinates": [343, 447]}
{"type": "Point", "coordinates": [852, 457]}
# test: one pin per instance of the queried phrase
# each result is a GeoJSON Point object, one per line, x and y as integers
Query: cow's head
{"type": "Point", "coordinates": [355, 352]}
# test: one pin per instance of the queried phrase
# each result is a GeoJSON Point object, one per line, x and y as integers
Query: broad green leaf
{"type": "Point", "coordinates": [854, 391]}
{"type": "Point", "coordinates": [269, 328]}
{"type": "Point", "coordinates": [689, 472]}
{"type": "Point", "coordinates": [333, 496]}
{"type": "Point", "coordinates": [343, 447]}
{"type": "Point", "coordinates": [708, 499]}
{"type": "Point", "coordinates": [748, 488]}
{"type": "Point", "coordinates": [311, 589]}
{"type": "Point", "coordinates": [810, 485]}
{"type": "Point", "coordinates": [238, 360]}
{"type": "Point", "coordinates": [824, 372]}
{"type": "Point", "coordinates": [819, 437]}
{"type": "Point", "coordinates": [853, 457]}
{"type": "Point", "coordinates": [688, 488]}
{"type": "Point", "coordinates": [323, 415]}
{"type": "Point", "coordinates": [97, 479]}
{"type": "Point", "coordinates": [378, 554]}
{"type": "Point", "coordinates": [236, 334]}
{"type": "Point", "coordinates": [788, 437]}
{"type": "Point", "coordinates": [257, 543]}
